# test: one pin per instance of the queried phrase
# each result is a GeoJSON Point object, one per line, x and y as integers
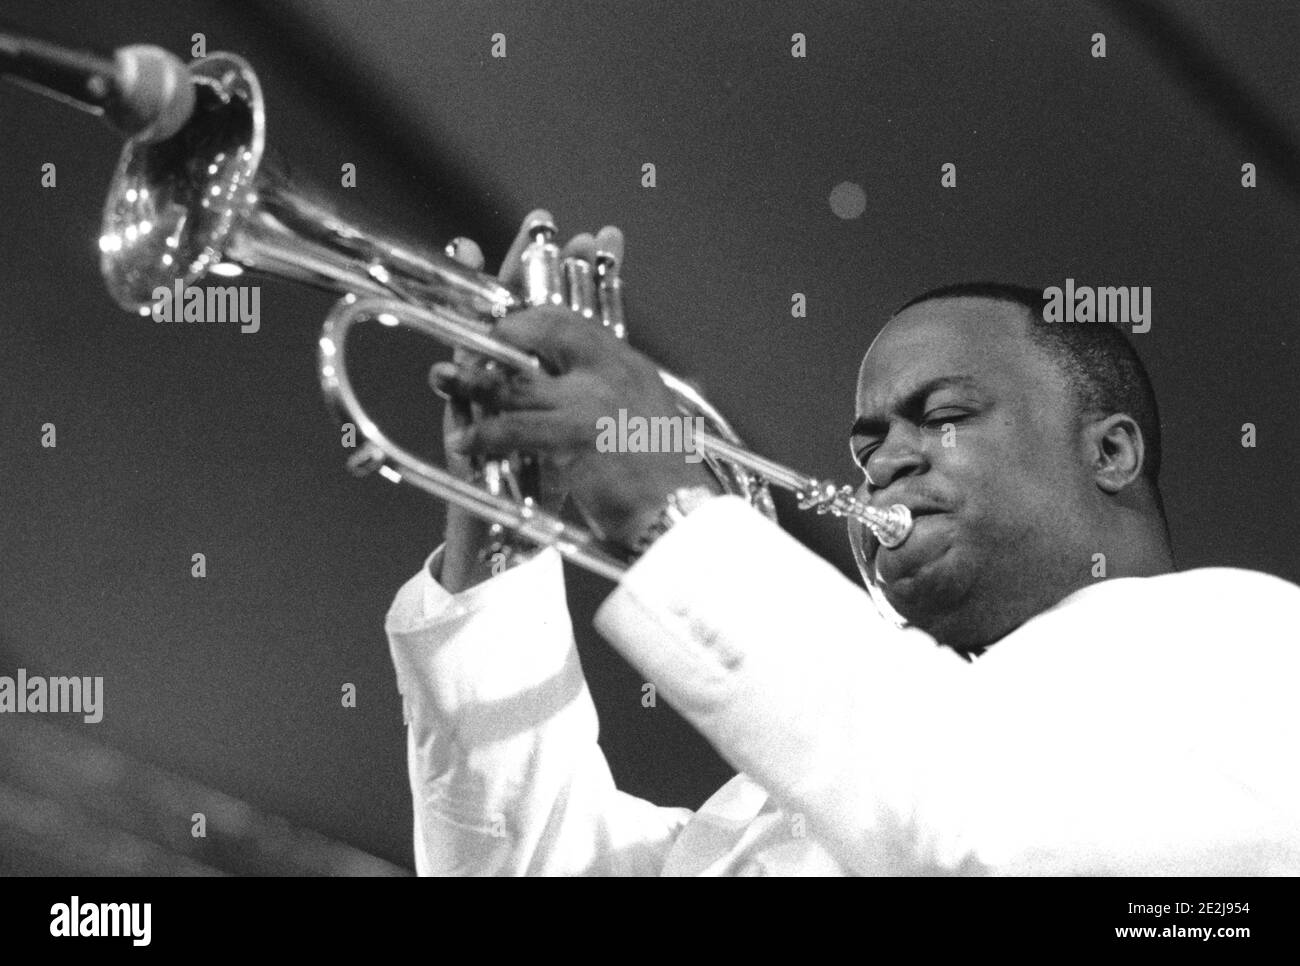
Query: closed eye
{"type": "Point", "coordinates": [935, 418]}
{"type": "Point", "coordinates": [940, 416]}
{"type": "Point", "coordinates": [861, 456]}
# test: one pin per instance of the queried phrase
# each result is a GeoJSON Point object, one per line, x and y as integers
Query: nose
{"type": "Point", "coordinates": [900, 454]}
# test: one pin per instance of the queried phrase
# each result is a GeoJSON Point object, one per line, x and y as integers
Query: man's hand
{"type": "Point", "coordinates": [590, 375]}
{"type": "Point", "coordinates": [464, 559]}
{"type": "Point", "coordinates": [466, 539]}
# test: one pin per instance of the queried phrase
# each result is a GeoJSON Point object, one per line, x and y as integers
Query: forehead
{"type": "Point", "coordinates": [980, 338]}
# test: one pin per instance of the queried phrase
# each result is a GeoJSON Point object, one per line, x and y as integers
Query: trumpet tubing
{"type": "Point", "coordinates": [208, 200]}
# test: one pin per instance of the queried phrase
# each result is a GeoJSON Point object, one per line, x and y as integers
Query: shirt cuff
{"type": "Point", "coordinates": [503, 644]}
{"type": "Point", "coordinates": [423, 600]}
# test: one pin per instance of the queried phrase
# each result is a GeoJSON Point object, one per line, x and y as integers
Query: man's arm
{"type": "Point", "coordinates": [1121, 735]}
{"type": "Point", "coordinates": [506, 774]}
{"type": "Point", "coordinates": [793, 676]}
{"type": "Point", "coordinates": [898, 757]}
{"type": "Point", "coordinates": [747, 633]}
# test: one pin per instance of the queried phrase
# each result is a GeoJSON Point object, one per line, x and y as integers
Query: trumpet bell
{"type": "Point", "coordinates": [174, 204]}
{"type": "Point", "coordinates": [211, 199]}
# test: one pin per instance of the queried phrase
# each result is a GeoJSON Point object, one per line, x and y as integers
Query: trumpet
{"type": "Point", "coordinates": [208, 201]}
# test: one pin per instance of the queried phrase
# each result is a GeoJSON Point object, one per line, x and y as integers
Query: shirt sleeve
{"type": "Point", "coordinates": [506, 774]}
{"type": "Point", "coordinates": [790, 672]}
{"type": "Point", "coordinates": [1143, 726]}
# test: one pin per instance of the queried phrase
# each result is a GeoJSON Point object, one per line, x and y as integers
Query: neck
{"type": "Point", "coordinates": [1136, 545]}
{"type": "Point", "coordinates": [1130, 548]}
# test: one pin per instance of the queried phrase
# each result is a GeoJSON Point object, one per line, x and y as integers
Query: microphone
{"type": "Point", "coordinates": [143, 91]}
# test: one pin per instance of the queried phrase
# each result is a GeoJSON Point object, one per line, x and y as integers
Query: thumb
{"type": "Point", "coordinates": [466, 251]}
{"type": "Point", "coordinates": [511, 266]}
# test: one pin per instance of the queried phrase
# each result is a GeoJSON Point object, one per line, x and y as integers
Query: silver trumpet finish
{"type": "Point", "coordinates": [890, 526]}
{"type": "Point", "coordinates": [209, 202]}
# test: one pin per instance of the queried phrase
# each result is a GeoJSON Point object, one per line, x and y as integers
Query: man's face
{"type": "Point", "coordinates": [966, 422]}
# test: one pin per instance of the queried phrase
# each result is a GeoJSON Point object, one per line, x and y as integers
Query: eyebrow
{"type": "Point", "coordinates": [867, 425]}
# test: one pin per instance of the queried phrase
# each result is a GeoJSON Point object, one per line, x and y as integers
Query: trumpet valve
{"type": "Point", "coordinates": [609, 289]}
{"type": "Point", "coordinates": [580, 280]}
{"type": "Point", "coordinates": [543, 277]}
{"type": "Point", "coordinates": [819, 496]}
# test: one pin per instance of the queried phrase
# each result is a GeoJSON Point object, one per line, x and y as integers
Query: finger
{"type": "Point", "coordinates": [466, 357]}
{"type": "Point", "coordinates": [580, 246]}
{"type": "Point", "coordinates": [493, 388]}
{"type": "Point", "coordinates": [466, 251]}
{"type": "Point", "coordinates": [460, 412]}
{"type": "Point", "coordinates": [439, 373]}
{"type": "Point", "coordinates": [563, 340]}
{"type": "Point", "coordinates": [465, 383]}
{"type": "Point", "coordinates": [538, 432]}
{"type": "Point", "coordinates": [609, 244]}
{"type": "Point", "coordinates": [511, 270]}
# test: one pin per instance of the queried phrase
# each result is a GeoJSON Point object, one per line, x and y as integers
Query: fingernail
{"type": "Point", "coordinates": [538, 216]}
{"type": "Point", "coordinates": [441, 377]}
{"type": "Point", "coordinates": [466, 251]}
{"type": "Point", "coordinates": [609, 245]}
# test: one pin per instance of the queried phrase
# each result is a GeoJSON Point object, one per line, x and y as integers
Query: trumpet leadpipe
{"type": "Point", "coordinates": [890, 526]}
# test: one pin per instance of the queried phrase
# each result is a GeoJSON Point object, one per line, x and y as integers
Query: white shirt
{"type": "Point", "coordinates": [1142, 726]}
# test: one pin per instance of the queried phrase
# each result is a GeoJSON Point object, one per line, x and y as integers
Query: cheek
{"type": "Point", "coordinates": [1000, 467]}
{"type": "Point", "coordinates": [974, 461]}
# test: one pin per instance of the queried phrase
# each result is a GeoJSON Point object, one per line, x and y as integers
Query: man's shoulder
{"type": "Point", "coordinates": [1248, 609]}
{"type": "Point", "coordinates": [1209, 605]}
{"type": "Point", "coordinates": [1181, 626]}
{"type": "Point", "coordinates": [1226, 584]}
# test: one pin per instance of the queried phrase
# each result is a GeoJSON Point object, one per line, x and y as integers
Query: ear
{"type": "Point", "coordinates": [1115, 451]}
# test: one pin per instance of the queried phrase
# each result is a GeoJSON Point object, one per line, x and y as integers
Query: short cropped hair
{"type": "Point", "coordinates": [1098, 361]}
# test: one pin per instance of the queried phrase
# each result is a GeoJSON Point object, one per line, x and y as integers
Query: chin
{"type": "Point", "coordinates": [930, 592]}
{"type": "Point", "coordinates": [945, 602]}
{"type": "Point", "coordinates": [921, 600]}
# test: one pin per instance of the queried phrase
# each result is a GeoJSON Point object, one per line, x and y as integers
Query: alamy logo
{"type": "Point", "coordinates": [1107, 305]}
{"type": "Point", "coordinates": [219, 304]}
{"type": "Point", "coordinates": [654, 434]}
{"type": "Point", "coordinates": [58, 695]}
{"type": "Point", "coordinates": [73, 919]}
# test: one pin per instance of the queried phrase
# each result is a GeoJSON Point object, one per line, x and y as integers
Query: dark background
{"type": "Point", "coordinates": [181, 439]}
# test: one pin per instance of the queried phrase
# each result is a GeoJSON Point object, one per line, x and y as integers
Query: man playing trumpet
{"type": "Point", "coordinates": [1051, 697]}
